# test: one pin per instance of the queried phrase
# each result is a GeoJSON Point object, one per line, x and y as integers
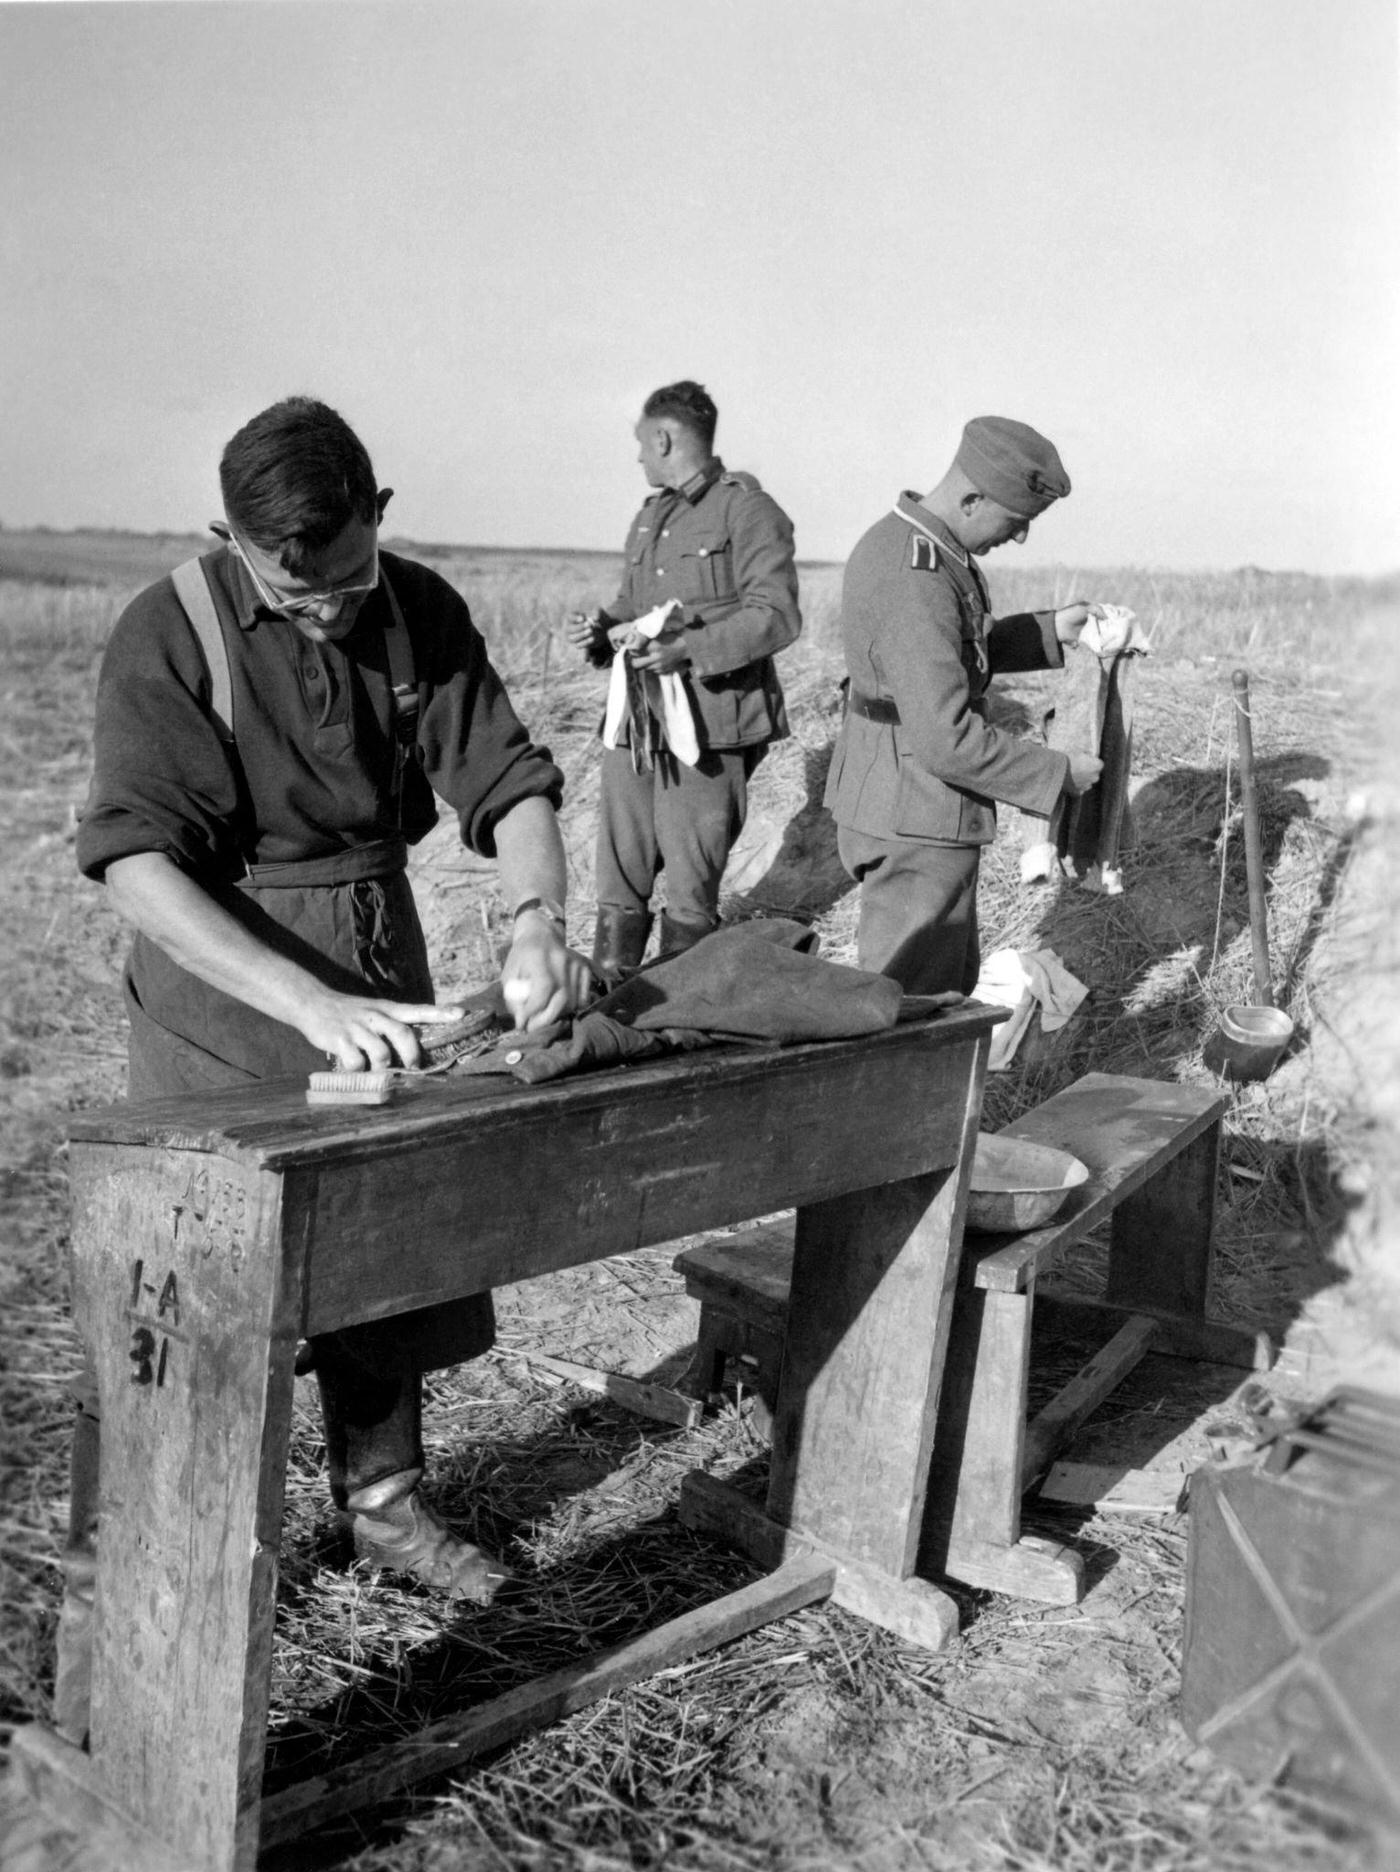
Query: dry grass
{"type": "Point", "coordinates": [1045, 1738]}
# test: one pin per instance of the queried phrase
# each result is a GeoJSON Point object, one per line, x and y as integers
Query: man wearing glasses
{"type": "Point", "coordinates": [261, 862]}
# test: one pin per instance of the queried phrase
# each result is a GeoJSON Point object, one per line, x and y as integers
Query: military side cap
{"type": "Point", "coordinates": [1013, 464]}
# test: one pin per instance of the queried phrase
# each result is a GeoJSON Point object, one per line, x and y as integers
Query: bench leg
{"type": "Point", "coordinates": [1160, 1246]}
{"type": "Point", "coordinates": [973, 1528]}
{"type": "Point", "coordinates": [712, 1343]}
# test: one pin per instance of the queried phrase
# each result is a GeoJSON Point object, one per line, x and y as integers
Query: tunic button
{"type": "Point", "coordinates": [704, 552]}
{"type": "Point", "coordinates": [311, 673]}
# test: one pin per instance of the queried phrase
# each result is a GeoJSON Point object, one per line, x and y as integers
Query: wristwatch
{"type": "Point", "coordinates": [545, 906]}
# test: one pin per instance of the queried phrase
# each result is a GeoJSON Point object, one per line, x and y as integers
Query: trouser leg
{"type": "Point", "coordinates": [372, 1419]}
{"type": "Point", "coordinates": [627, 857]}
{"type": "Point", "coordinates": [700, 812]}
{"type": "Point", "coordinates": [918, 911]}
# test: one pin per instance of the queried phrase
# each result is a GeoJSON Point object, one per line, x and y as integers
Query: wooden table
{"type": "Point", "coordinates": [211, 1234]}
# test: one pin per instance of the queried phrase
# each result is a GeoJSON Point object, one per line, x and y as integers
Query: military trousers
{"type": "Point", "coordinates": [918, 910]}
{"type": "Point", "coordinates": [683, 820]}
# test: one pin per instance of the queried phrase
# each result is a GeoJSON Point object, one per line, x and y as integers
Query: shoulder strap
{"type": "Point", "coordinates": [192, 589]}
{"type": "Point", "coordinates": [402, 678]}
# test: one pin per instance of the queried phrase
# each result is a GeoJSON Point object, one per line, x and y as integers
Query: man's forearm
{"type": "Point", "coordinates": [530, 854]}
{"type": "Point", "coordinates": [180, 917]}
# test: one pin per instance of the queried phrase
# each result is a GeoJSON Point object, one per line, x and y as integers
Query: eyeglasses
{"type": "Point", "coordinates": [304, 604]}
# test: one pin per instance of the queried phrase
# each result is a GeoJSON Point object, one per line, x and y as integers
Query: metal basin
{"type": "Point", "coordinates": [1016, 1186]}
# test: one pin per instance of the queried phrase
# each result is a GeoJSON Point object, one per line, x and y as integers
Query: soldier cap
{"type": "Point", "coordinates": [1012, 464]}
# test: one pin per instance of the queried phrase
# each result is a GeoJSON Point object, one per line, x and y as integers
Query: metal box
{"type": "Point", "coordinates": [1291, 1669]}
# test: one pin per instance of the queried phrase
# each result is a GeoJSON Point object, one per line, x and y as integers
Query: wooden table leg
{"type": "Point", "coordinates": [973, 1530]}
{"type": "Point", "coordinates": [872, 1287]}
{"type": "Point", "coordinates": [190, 1304]}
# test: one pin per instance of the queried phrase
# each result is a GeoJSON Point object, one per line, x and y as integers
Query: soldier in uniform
{"type": "Point", "coordinates": [714, 541]}
{"type": "Point", "coordinates": [918, 768]}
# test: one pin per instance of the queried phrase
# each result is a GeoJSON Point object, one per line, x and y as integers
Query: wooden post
{"type": "Point", "coordinates": [1253, 849]}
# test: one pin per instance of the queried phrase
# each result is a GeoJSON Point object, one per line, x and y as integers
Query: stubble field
{"type": "Point", "coordinates": [1045, 1737]}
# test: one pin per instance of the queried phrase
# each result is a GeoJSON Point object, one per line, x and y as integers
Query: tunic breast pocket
{"type": "Point", "coordinates": [707, 570]}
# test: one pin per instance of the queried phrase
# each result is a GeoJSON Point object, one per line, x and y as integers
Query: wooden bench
{"type": "Point", "coordinates": [1152, 1150]}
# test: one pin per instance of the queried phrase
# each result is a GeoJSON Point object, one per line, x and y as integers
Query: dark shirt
{"type": "Point", "coordinates": [724, 549]}
{"type": "Point", "coordinates": [312, 772]}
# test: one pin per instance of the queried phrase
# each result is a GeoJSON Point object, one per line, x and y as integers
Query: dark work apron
{"type": "Point", "coordinates": [350, 920]}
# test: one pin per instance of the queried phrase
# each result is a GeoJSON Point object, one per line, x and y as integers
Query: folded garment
{"type": "Point", "coordinates": [747, 982]}
{"type": "Point", "coordinates": [1025, 980]}
{"type": "Point", "coordinates": [655, 710]}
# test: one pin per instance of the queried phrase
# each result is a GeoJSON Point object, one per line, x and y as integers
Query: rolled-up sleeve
{"type": "Point", "coordinates": [766, 618]}
{"type": "Point", "coordinates": [162, 780]}
{"type": "Point", "coordinates": [474, 750]}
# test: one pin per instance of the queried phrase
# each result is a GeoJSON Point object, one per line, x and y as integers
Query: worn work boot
{"type": "Point", "coordinates": [680, 933]}
{"type": "Point", "coordinates": [392, 1528]}
{"type": "Point", "coordinates": [619, 941]}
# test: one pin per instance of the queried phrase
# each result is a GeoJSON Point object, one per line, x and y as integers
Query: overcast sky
{"type": "Point", "coordinates": [1163, 231]}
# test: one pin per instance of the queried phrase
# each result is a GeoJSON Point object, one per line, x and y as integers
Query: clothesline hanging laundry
{"type": "Point", "coordinates": [1092, 715]}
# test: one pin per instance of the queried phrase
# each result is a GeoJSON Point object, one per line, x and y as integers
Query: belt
{"type": "Point", "coordinates": [382, 858]}
{"type": "Point", "coordinates": [873, 708]}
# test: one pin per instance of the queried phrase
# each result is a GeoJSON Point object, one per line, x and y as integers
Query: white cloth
{"type": "Point", "coordinates": [666, 694]}
{"type": "Point", "coordinates": [1111, 627]}
{"type": "Point", "coordinates": [1024, 980]}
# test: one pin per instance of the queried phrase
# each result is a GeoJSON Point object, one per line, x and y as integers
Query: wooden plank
{"type": "Point", "coordinates": [1050, 1429]}
{"type": "Point", "coordinates": [1209, 1341]}
{"type": "Point", "coordinates": [59, 1779]}
{"type": "Point", "coordinates": [1027, 1568]}
{"type": "Point", "coordinates": [750, 1271]}
{"type": "Point", "coordinates": [1112, 1489]}
{"type": "Point", "coordinates": [873, 1279]}
{"type": "Point", "coordinates": [187, 1278]}
{"type": "Point", "coordinates": [650, 1400]}
{"type": "Point", "coordinates": [444, 1747]}
{"type": "Point", "coordinates": [272, 1123]}
{"type": "Point", "coordinates": [1124, 1130]}
{"type": "Point", "coordinates": [500, 1203]}
{"type": "Point", "coordinates": [912, 1608]}
{"type": "Point", "coordinates": [1173, 1211]}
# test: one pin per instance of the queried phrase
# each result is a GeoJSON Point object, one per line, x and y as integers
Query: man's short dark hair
{"type": "Point", "coordinates": [294, 478]}
{"type": "Point", "coordinates": [688, 404]}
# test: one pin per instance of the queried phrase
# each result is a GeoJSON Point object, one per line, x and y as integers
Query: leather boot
{"type": "Point", "coordinates": [619, 941]}
{"type": "Point", "coordinates": [680, 933]}
{"type": "Point", "coordinates": [374, 1451]}
{"type": "Point", "coordinates": [392, 1528]}
{"type": "Point", "coordinates": [72, 1690]}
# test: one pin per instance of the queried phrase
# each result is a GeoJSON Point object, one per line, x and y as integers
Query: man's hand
{"type": "Point", "coordinates": [543, 979]}
{"type": "Point", "coordinates": [1084, 771]}
{"type": "Point", "coordinates": [583, 631]}
{"type": "Point", "coordinates": [363, 1035]}
{"type": "Point", "coordinates": [1070, 620]}
{"type": "Point", "coordinates": [663, 656]}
